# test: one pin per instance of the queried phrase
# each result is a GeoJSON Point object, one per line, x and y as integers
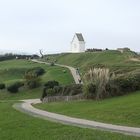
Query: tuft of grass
{"type": "Point", "coordinates": [98, 77]}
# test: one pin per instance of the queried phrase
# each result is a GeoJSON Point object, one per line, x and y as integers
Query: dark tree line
{"type": "Point", "coordinates": [11, 56]}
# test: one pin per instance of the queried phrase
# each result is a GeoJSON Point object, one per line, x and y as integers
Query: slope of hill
{"type": "Point", "coordinates": [116, 61]}
{"type": "Point", "coordinates": [12, 71]}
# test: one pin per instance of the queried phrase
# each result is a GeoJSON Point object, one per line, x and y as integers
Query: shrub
{"type": "Point", "coordinates": [32, 80]}
{"type": "Point", "coordinates": [128, 83]}
{"type": "Point", "coordinates": [62, 90]}
{"type": "Point", "coordinates": [44, 94]}
{"type": "Point", "coordinates": [38, 71]}
{"type": "Point", "coordinates": [95, 80]}
{"type": "Point", "coordinates": [73, 89]}
{"type": "Point", "coordinates": [112, 89]}
{"type": "Point", "coordinates": [52, 64]}
{"type": "Point", "coordinates": [50, 92]}
{"type": "Point", "coordinates": [51, 84]}
{"type": "Point", "coordinates": [89, 91]}
{"type": "Point", "coordinates": [2, 86]}
{"type": "Point", "coordinates": [15, 87]}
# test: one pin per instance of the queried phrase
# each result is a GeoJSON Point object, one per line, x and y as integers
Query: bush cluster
{"type": "Point", "coordinates": [52, 88]}
{"type": "Point", "coordinates": [15, 87]}
{"type": "Point", "coordinates": [100, 84]}
{"type": "Point", "coordinates": [38, 71]}
{"type": "Point", "coordinates": [49, 88]}
{"type": "Point", "coordinates": [32, 80]}
{"type": "Point", "coordinates": [32, 77]}
{"type": "Point", "coordinates": [2, 86]}
{"type": "Point", "coordinates": [128, 83]}
{"type": "Point", "coordinates": [51, 84]}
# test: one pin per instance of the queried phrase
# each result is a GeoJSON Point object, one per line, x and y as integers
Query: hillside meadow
{"type": "Point", "coordinates": [114, 60]}
{"type": "Point", "coordinates": [15, 125]}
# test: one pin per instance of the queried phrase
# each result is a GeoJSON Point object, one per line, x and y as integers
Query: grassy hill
{"type": "Point", "coordinates": [116, 61]}
{"type": "Point", "coordinates": [14, 70]}
{"type": "Point", "coordinates": [15, 125]}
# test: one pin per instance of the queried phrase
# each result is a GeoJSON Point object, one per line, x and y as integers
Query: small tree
{"type": "Point", "coordinates": [32, 80]}
{"type": "Point", "coordinates": [2, 86]}
{"type": "Point", "coordinates": [13, 88]}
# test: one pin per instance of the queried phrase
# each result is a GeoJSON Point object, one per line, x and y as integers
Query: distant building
{"type": "Point", "coordinates": [78, 43]}
{"type": "Point", "coordinates": [123, 49]}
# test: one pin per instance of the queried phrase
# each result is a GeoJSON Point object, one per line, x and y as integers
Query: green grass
{"type": "Point", "coordinates": [56, 73]}
{"type": "Point", "coordinates": [124, 110]}
{"type": "Point", "coordinates": [23, 94]}
{"type": "Point", "coordinates": [15, 125]}
{"type": "Point", "coordinates": [116, 61]}
{"type": "Point", "coordinates": [13, 70]}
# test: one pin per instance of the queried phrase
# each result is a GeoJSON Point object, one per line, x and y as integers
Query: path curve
{"type": "Point", "coordinates": [26, 107]}
{"type": "Point", "coordinates": [73, 71]}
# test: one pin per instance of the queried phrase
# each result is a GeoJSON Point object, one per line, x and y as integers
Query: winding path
{"type": "Point", "coordinates": [26, 107]}
{"type": "Point", "coordinates": [73, 71]}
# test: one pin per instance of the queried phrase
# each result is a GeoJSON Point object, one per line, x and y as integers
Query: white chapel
{"type": "Point", "coordinates": [78, 43]}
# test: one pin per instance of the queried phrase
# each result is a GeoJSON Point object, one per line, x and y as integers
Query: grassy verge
{"type": "Point", "coordinates": [18, 126]}
{"type": "Point", "coordinates": [124, 110]}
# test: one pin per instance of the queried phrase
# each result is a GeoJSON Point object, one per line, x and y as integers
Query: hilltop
{"type": "Point", "coordinates": [115, 60]}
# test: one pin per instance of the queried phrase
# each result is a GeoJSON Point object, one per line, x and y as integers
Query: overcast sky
{"type": "Point", "coordinates": [30, 25]}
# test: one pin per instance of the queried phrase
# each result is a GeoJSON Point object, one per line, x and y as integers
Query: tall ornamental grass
{"type": "Point", "coordinates": [95, 82]}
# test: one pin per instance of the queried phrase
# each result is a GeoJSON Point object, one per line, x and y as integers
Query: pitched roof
{"type": "Point", "coordinates": [80, 36]}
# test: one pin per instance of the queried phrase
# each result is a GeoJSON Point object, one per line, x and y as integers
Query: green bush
{"type": "Point", "coordinates": [50, 92]}
{"type": "Point", "coordinates": [128, 83]}
{"type": "Point", "coordinates": [73, 89]}
{"type": "Point", "coordinates": [89, 91]}
{"type": "Point", "coordinates": [38, 71]}
{"type": "Point", "coordinates": [52, 64]}
{"type": "Point", "coordinates": [15, 87]}
{"type": "Point", "coordinates": [62, 90]}
{"type": "Point", "coordinates": [2, 86]}
{"type": "Point", "coordinates": [112, 89]}
{"type": "Point", "coordinates": [32, 80]}
{"type": "Point", "coordinates": [51, 84]}
{"type": "Point", "coordinates": [44, 94]}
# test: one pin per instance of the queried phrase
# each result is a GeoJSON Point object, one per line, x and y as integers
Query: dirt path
{"type": "Point", "coordinates": [73, 71]}
{"type": "Point", "coordinates": [26, 107]}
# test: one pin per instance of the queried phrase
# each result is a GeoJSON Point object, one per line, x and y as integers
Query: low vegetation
{"type": "Point", "coordinates": [53, 88]}
{"type": "Point", "coordinates": [95, 82]}
{"type": "Point", "coordinates": [2, 86]}
{"type": "Point", "coordinates": [99, 83]}
{"type": "Point", "coordinates": [14, 88]}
